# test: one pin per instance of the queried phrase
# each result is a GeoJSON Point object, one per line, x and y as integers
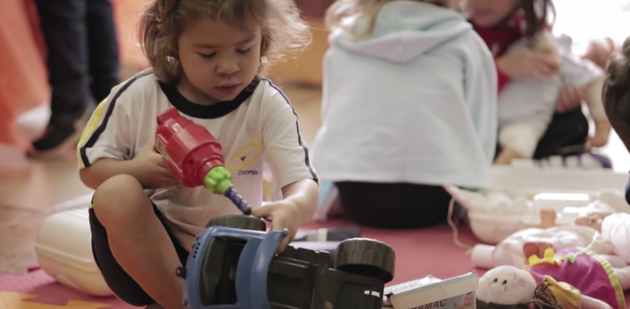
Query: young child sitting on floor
{"type": "Point", "coordinates": [527, 105]}
{"type": "Point", "coordinates": [409, 104]}
{"type": "Point", "coordinates": [207, 58]}
{"type": "Point", "coordinates": [504, 23]}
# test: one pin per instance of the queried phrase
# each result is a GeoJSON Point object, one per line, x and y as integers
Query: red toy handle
{"type": "Point", "coordinates": [190, 150]}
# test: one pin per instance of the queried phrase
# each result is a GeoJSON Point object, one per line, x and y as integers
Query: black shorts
{"type": "Point", "coordinates": [565, 130]}
{"type": "Point", "coordinates": [117, 279]}
{"type": "Point", "coordinates": [394, 205]}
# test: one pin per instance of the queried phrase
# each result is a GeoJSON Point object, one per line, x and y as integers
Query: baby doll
{"type": "Point", "coordinates": [468, 302]}
{"type": "Point", "coordinates": [526, 105]}
{"type": "Point", "coordinates": [597, 228]}
{"type": "Point", "coordinates": [570, 279]}
{"type": "Point", "coordinates": [613, 227]}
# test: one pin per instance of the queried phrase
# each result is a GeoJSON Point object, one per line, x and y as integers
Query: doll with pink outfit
{"type": "Point", "coordinates": [598, 228]}
{"type": "Point", "coordinates": [583, 265]}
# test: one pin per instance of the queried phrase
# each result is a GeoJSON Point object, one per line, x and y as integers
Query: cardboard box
{"type": "Point", "coordinates": [433, 293]}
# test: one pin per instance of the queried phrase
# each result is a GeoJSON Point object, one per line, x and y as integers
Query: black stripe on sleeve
{"type": "Point", "coordinates": [110, 109]}
{"type": "Point", "coordinates": [307, 160]}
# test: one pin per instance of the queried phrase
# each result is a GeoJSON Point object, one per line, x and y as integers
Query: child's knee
{"type": "Point", "coordinates": [120, 198]}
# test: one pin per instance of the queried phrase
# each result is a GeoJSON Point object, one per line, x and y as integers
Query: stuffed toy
{"type": "Point", "coordinates": [597, 228]}
{"type": "Point", "coordinates": [569, 279]}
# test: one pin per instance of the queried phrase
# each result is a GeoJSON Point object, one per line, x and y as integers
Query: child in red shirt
{"type": "Point", "coordinates": [501, 23]}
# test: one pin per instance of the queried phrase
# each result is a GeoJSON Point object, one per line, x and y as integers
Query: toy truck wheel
{"type": "Point", "coordinates": [239, 222]}
{"type": "Point", "coordinates": [366, 257]}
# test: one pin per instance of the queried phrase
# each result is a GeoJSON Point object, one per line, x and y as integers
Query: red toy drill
{"type": "Point", "coordinates": [194, 156]}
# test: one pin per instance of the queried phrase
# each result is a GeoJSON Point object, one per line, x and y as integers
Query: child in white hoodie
{"type": "Point", "coordinates": [409, 105]}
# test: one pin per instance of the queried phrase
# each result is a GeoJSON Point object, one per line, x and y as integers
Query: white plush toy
{"type": "Point", "coordinates": [509, 287]}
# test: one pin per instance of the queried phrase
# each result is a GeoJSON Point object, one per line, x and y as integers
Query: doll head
{"type": "Point", "coordinates": [505, 285]}
{"type": "Point", "coordinates": [593, 215]}
{"type": "Point", "coordinates": [469, 299]}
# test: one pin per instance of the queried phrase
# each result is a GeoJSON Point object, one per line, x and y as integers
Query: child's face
{"type": "Point", "coordinates": [218, 59]}
{"type": "Point", "coordinates": [488, 13]}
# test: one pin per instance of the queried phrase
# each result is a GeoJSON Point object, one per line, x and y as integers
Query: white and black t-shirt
{"type": "Point", "coordinates": [259, 125]}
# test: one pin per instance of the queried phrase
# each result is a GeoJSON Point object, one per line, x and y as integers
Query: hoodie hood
{"type": "Point", "coordinates": [404, 30]}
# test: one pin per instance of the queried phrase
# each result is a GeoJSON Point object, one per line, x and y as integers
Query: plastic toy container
{"type": "Point", "coordinates": [517, 194]}
{"type": "Point", "coordinates": [64, 251]}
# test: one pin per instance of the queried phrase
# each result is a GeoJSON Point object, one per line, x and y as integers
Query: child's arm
{"type": "Point", "coordinates": [289, 161]}
{"type": "Point", "coordinates": [538, 59]}
{"type": "Point", "coordinates": [149, 167]}
{"type": "Point", "coordinates": [106, 149]}
{"type": "Point", "coordinates": [596, 109]}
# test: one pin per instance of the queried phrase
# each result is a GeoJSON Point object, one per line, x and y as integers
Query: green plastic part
{"type": "Point", "coordinates": [218, 180]}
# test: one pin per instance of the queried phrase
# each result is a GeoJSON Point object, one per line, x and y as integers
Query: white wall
{"type": "Point", "coordinates": [585, 20]}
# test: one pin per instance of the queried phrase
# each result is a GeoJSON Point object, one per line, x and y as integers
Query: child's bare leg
{"type": "Point", "coordinates": [623, 274]}
{"type": "Point", "coordinates": [138, 240]}
{"type": "Point", "coordinates": [596, 109]}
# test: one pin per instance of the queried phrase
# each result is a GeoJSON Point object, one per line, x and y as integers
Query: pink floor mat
{"type": "Point", "coordinates": [419, 253]}
{"type": "Point", "coordinates": [37, 290]}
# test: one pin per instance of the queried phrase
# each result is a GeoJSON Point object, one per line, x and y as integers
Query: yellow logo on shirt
{"type": "Point", "coordinates": [244, 157]}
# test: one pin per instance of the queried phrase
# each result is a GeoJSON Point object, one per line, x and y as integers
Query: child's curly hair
{"type": "Point", "coordinates": [616, 92]}
{"type": "Point", "coordinates": [282, 29]}
{"type": "Point", "coordinates": [342, 10]}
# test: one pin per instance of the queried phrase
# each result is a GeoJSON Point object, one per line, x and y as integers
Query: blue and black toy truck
{"type": "Point", "coordinates": [233, 265]}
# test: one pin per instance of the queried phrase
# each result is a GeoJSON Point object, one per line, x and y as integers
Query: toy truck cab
{"type": "Point", "coordinates": [233, 265]}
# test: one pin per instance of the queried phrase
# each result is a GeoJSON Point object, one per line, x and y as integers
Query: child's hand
{"type": "Point", "coordinates": [283, 215]}
{"type": "Point", "coordinates": [151, 169]}
{"type": "Point", "coordinates": [537, 65]}
{"type": "Point", "coordinates": [569, 98]}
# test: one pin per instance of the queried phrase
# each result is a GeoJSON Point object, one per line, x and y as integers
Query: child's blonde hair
{"type": "Point", "coordinates": [344, 14]}
{"type": "Point", "coordinates": [282, 28]}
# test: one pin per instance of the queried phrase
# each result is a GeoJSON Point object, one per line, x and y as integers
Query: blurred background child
{"type": "Point", "coordinates": [409, 104]}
